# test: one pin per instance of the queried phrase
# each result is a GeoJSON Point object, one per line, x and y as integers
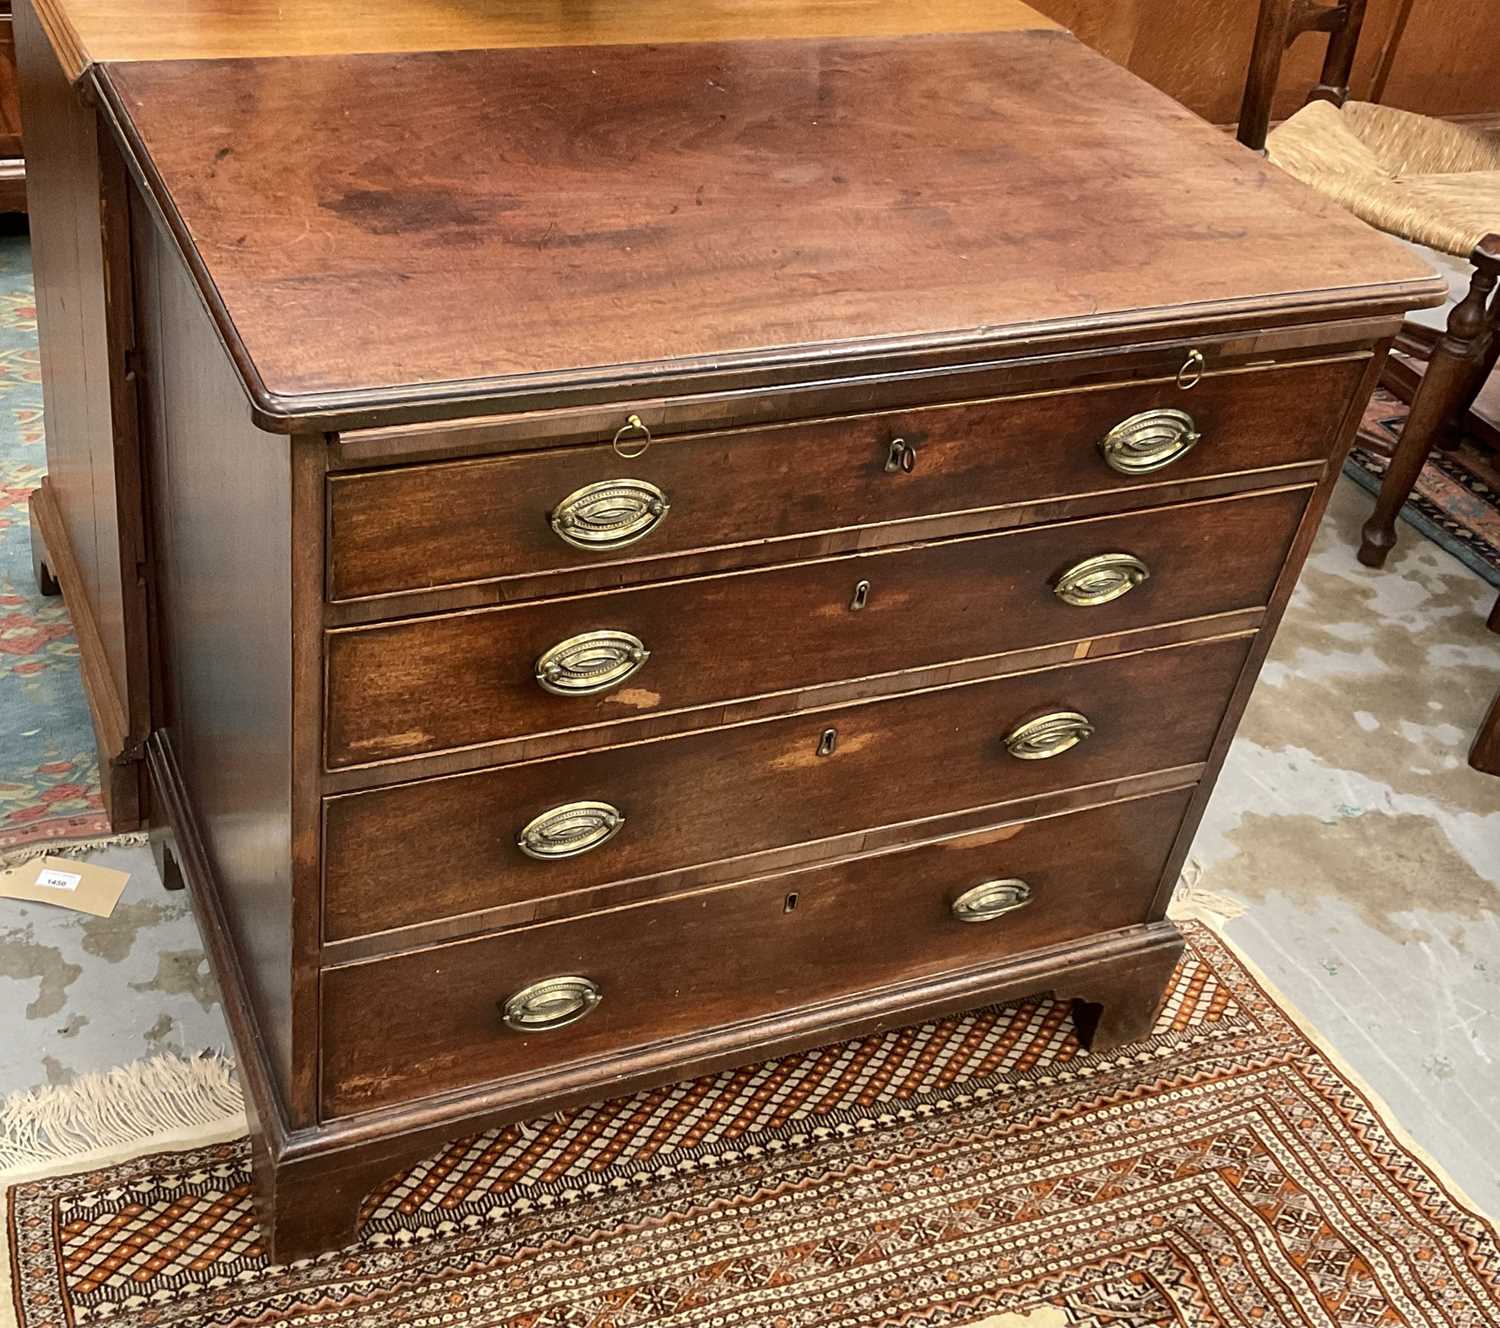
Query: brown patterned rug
{"type": "Point", "coordinates": [979, 1170]}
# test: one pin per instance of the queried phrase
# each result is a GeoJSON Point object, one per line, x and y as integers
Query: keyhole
{"type": "Point", "coordinates": [791, 902]}
{"type": "Point", "coordinates": [861, 596]}
{"type": "Point", "coordinates": [828, 742]}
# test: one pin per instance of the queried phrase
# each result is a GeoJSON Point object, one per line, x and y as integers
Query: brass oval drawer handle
{"type": "Point", "coordinates": [590, 663]}
{"type": "Point", "coordinates": [1100, 579]}
{"type": "Point", "coordinates": [609, 514]}
{"type": "Point", "coordinates": [551, 1003]}
{"type": "Point", "coordinates": [1149, 441]}
{"type": "Point", "coordinates": [990, 899]}
{"type": "Point", "coordinates": [1048, 735]}
{"type": "Point", "coordinates": [567, 831]}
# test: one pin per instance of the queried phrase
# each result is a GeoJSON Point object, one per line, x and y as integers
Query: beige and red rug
{"type": "Point", "coordinates": [1224, 1174]}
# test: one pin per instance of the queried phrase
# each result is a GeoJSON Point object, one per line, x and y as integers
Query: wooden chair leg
{"type": "Point", "coordinates": [1459, 424]}
{"type": "Point", "coordinates": [1485, 753]}
{"type": "Point", "coordinates": [1452, 381]}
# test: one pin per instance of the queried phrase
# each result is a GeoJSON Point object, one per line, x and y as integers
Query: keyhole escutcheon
{"type": "Point", "coordinates": [901, 457]}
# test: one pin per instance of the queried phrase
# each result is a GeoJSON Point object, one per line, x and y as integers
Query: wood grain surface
{"type": "Point", "coordinates": [755, 787]}
{"type": "Point", "coordinates": [85, 31]}
{"type": "Point", "coordinates": [455, 680]}
{"type": "Point", "coordinates": [751, 492]}
{"type": "Point", "coordinates": [80, 250]}
{"type": "Point", "coordinates": [497, 222]}
{"type": "Point", "coordinates": [424, 1022]}
{"type": "Point", "coordinates": [221, 524]}
{"type": "Point", "coordinates": [1198, 51]}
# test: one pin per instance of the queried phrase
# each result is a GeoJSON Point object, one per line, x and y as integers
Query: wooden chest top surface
{"type": "Point", "coordinates": [376, 227]}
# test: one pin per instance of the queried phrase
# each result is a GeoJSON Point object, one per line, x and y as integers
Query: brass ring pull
{"type": "Point", "coordinates": [551, 1003]}
{"type": "Point", "coordinates": [991, 899]}
{"type": "Point", "coordinates": [1048, 735]}
{"type": "Point", "coordinates": [1149, 441]}
{"type": "Point", "coordinates": [608, 514]}
{"type": "Point", "coordinates": [632, 428]}
{"type": "Point", "coordinates": [1191, 372]}
{"type": "Point", "coordinates": [1100, 579]}
{"type": "Point", "coordinates": [590, 663]}
{"type": "Point", "coordinates": [569, 830]}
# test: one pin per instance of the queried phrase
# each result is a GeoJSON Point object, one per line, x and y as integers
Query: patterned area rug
{"type": "Point", "coordinates": [978, 1170]}
{"type": "Point", "coordinates": [1456, 503]}
{"type": "Point", "coordinates": [49, 777]}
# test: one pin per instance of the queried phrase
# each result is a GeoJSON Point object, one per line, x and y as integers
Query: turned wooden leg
{"type": "Point", "coordinates": [1123, 1007]}
{"type": "Point", "coordinates": [1452, 380]}
{"type": "Point", "coordinates": [41, 569]}
{"type": "Point", "coordinates": [1458, 426]}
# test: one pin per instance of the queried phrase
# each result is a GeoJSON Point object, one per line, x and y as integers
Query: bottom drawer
{"type": "Point", "coordinates": [433, 1021]}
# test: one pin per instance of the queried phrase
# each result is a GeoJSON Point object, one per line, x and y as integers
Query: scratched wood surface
{"type": "Point", "coordinates": [755, 788]}
{"type": "Point", "coordinates": [381, 221]}
{"type": "Point", "coordinates": [452, 680]}
{"type": "Point", "coordinates": [778, 942]}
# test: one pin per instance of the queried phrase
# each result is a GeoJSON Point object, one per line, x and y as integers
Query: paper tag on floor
{"type": "Point", "coordinates": [77, 885]}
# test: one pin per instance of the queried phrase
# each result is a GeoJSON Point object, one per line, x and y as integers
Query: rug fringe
{"type": "Point", "coordinates": [1375, 1101]}
{"type": "Point", "coordinates": [1191, 902]}
{"type": "Point", "coordinates": [75, 848]}
{"type": "Point", "coordinates": [118, 1108]}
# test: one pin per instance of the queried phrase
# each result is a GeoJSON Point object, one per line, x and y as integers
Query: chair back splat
{"type": "Point", "coordinates": [1280, 23]}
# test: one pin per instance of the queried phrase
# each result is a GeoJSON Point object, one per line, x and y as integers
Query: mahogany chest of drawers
{"type": "Point", "coordinates": [701, 550]}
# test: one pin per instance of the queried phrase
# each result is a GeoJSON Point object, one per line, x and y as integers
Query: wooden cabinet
{"type": "Point", "coordinates": [772, 543]}
{"type": "Point", "coordinates": [12, 154]}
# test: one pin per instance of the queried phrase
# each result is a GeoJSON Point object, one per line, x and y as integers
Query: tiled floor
{"type": "Point", "coordinates": [1364, 850]}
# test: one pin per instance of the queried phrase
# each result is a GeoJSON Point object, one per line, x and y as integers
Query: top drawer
{"type": "Point", "coordinates": [776, 488]}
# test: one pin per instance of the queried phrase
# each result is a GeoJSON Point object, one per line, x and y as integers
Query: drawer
{"type": "Point", "coordinates": [463, 679]}
{"type": "Point", "coordinates": [430, 1021]}
{"type": "Point", "coordinates": [652, 807]}
{"type": "Point", "coordinates": [768, 489]}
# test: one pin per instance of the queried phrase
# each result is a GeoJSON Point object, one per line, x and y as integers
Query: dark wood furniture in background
{"type": "Point", "coordinates": [1461, 360]}
{"type": "Point", "coordinates": [737, 563]}
{"type": "Point", "coordinates": [90, 512]}
{"type": "Point", "coordinates": [1484, 754]}
{"type": "Point", "coordinates": [1460, 363]}
{"type": "Point", "coordinates": [1435, 57]}
{"type": "Point", "coordinates": [12, 153]}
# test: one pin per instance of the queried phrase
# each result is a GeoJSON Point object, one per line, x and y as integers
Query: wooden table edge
{"type": "Point", "coordinates": [324, 27]}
